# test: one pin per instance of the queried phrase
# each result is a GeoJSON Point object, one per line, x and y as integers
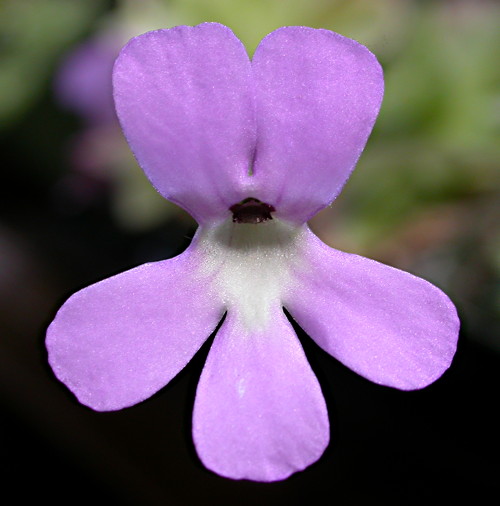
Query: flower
{"type": "Point", "coordinates": [252, 150]}
{"type": "Point", "coordinates": [83, 83]}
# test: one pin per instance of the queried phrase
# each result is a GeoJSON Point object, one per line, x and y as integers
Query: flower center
{"type": "Point", "coordinates": [251, 266]}
{"type": "Point", "coordinates": [251, 210]}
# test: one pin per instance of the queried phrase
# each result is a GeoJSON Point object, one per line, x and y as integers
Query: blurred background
{"type": "Point", "coordinates": [75, 208]}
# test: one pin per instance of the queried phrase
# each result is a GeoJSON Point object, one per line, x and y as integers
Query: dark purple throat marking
{"type": "Point", "coordinates": [251, 210]}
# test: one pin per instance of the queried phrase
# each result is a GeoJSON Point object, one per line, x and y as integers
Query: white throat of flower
{"type": "Point", "coordinates": [250, 265]}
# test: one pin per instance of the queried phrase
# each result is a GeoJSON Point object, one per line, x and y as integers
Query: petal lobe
{"type": "Point", "coordinates": [117, 342]}
{"type": "Point", "coordinates": [259, 412]}
{"type": "Point", "coordinates": [389, 326]}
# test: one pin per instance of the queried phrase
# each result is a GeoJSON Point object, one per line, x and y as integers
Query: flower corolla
{"type": "Point", "coordinates": [252, 149]}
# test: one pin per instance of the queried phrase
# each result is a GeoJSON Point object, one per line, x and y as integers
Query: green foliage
{"type": "Point", "coordinates": [33, 34]}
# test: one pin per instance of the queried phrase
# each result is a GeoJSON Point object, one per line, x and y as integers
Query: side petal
{"type": "Point", "coordinates": [317, 97]}
{"type": "Point", "coordinates": [117, 342]}
{"type": "Point", "coordinates": [385, 324]}
{"type": "Point", "coordinates": [183, 99]}
{"type": "Point", "coordinates": [259, 412]}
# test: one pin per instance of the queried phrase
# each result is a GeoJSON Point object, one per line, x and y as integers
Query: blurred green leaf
{"type": "Point", "coordinates": [251, 20]}
{"type": "Point", "coordinates": [33, 33]}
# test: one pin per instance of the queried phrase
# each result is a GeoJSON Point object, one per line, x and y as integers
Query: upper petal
{"type": "Point", "coordinates": [183, 97]}
{"type": "Point", "coordinates": [387, 325]}
{"type": "Point", "coordinates": [117, 342]}
{"type": "Point", "coordinates": [259, 412]}
{"type": "Point", "coordinates": [317, 97]}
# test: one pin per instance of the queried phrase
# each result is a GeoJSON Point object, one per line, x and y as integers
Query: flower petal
{"type": "Point", "coordinates": [117, 342]}
{"type": "Point", "coordinates": [184, 102]}
{"type": "Point", "coordinates": [387, 325]}
{"type": "Point", "coordinates": [259, 412]}
{"type": "Point", "coordinates": [318, 95]}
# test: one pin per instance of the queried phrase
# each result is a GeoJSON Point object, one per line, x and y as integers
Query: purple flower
{"type": "Point", "coordinates": [252, 150]}
{"type": "Point", "coordinates": [83, 83]}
